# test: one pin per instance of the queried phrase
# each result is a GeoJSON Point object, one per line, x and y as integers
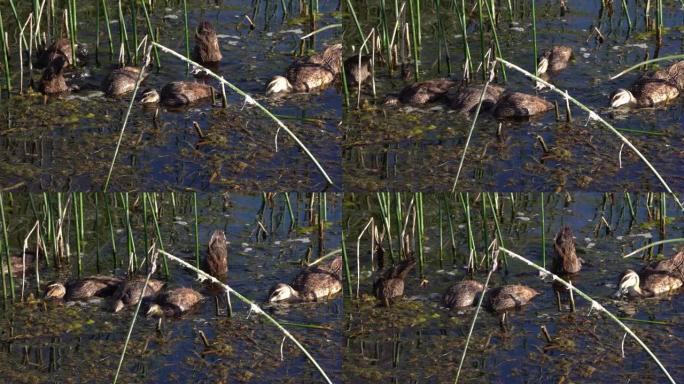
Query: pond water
{"type": "Point", "coordinates": [52, 342]}
{"type": "Point", "coordinates": [408, 148]}
{"type": "Point", "coordinates": [68, 143]}
{"type": "Point", "coordinates": [418, 341]}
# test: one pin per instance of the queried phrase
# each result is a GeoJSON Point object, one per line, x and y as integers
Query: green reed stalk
{"type": "Point", "coordinates": [345, 87]}
{"type": "Point", "coordinates": [626, 10]}
{"type": "Point", "coordinates": [482, 43]}
{"type": "Point", "coordinates": [495, 214]}
{"type": "Point", "coordinates": [150, 32]}
{"type": "Point", "coordinates": [153, 209]}
{"type": "Point", "coordinates": [497, 47]}
{"type": "Point", "coordinates": [447, 207]}
{"type": "Point", "coordinates": [594, 305]}
{"type": "Point", "coordinates": [187, 33]}
{"type": "Point", "coordinates": [145, 239]}
{"type": "Point", "coordinates": [289, 209]}
{"type": "Point", "coordinates": [111, 228]}
{"type": "Point", "coordinates": [5, 56]}
{"type": "Point", "coordinates": [7, 249]}
{"type": "Point", "coordinates": [543, 230]}
{"type": "Point", "coordinates": [16, 17]}
{"type": "Point", "coordinates": [421, 232]}
{"type": "Point", "coordinates": [465, 202]}
{"type": "Point", "coordinates": [441, 235]}
{"type": "Point", "coordinates": [77, 223]}
{"type": "Point", "coordinates": [356, 22]}
{"type": "Point", "coordinates": [414, 37]}
{"type": "Point", "coordinates": [96, 227]}
{"type": "Point", "coordinates": [631, 206]}
{"type": "Point", "coordinates": [659, 22]}
{"type": "Point", "coordinates": [397, 217]}
{"type": "Point", "coordinates": [197, 242]}
{"type": "Point", "coordinates": [383, 202]}
{"type": "Point", "coordinates": [109, 29]}
{"type": "Point", "coordinates": [123, 33]}
{"type": "Point", "coordinates": [130, 241]}
{"type": "Point", "coordinates": [534, 38]}
{"type": "Point", "coordinates": [653, 244]}
{"type": "Point", "coordinates": [72, 28]}
{"type": "Point", "coordinates": [442, 36]}
{"type": "Point", "coordinates": [134, 19]}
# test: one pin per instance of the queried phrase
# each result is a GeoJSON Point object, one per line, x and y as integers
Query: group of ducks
{"type": "Point", "coordinates": [306, 74]}
{"type": "Point", "coordinates": [313, 283]}
{"type": "Point", "coordinates": [652, 89]}
{"type": "Point", "coordinates": [662, 277]}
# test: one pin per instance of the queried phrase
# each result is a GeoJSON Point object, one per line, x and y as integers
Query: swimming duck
{"type": "Point", "coordinates": [465, 100]}
{"type": "Point", "coordinates": [509, 297]}
{"type": "Point", "coordinates": [674, 265]}
{"type": "Point", "coordinates": [82, 289]}
{"type": "Point", "coordinates": [652, 88]}
{"type": "Point", "coordinates": [122, 81]}
{"type": "Point", "coordinates": [174, 302]}
{"type": "Point", "coordinates": [309, 73]}
{"type": "Point", "coordinates": [422, 93]}
{"type": "Point", "coordinates": [356, 75]}
{"type": "Point", "coordinates": [178, 93]}
{"type": "Point", "coordinates": [554, 59]}
{"type": "Point", "coordinates": [216, 262]}
{"type": "Point", "coordinates": [61, 47]}
{"type": "Point", "coordinates": [128, 292]}
{"type": "Point", "coordinates": [520, 105]}
{"type": "Point", "coordinates": [389, 287]}
{"type": "Point", "coordinates": [53, 81]}
{"type": "Point", "coordinates": [565, 259]}
{"type": "Point", "coordinates": [311, 284]}
{"type": "Point", "coordinates": [207, 50]}
{"type": "Point", "coordinates": [462, 294]}
{"type": "Point", "coordinates": [646, 284]}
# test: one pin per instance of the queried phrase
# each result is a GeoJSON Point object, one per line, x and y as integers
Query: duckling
{"type": "Point", "coordinates": [53, 81]}
{"type": "Point", "coordinates": [356, 75]}
{"type": "Point", "coordinates": [422, 93]}
{"type": "Point", "coordinates": [122, 81]}
{"type": "Point", "coordinates": [555, 59]}
{"type": "Point", "coordinates": [389, 287]}
{"type": "Point", "coordinates": [309, 73]}
{"type": "Point", "coordinates": [82, 289]}
{"type": "Point", "coordinates": [565, 259]}
{"type": "Point", "coordinates": [216, 262]}
{"type": "Point", "coordinates": [465, 100]}
{"type": "Point", "coordinates": [311, 284]}
{"type": "Point", "coordinates": [61, 47]}
{"type": "Point", "coordinates": [509, 297]}
{"type": "Point", "coordinates": [175, 302]}
{"type": "Point", "coordinates": [178, 93]}
{"type": "Point", "coordinates": [520, 105]}
{"type": "Point", "coordinates": [647, 284]}
{"type": "Point", "coordinates": [462, 294]}
{"type": "Point", "coordinates": [207, 50]}
{"type": "Point", "coordinates": [128, 292]}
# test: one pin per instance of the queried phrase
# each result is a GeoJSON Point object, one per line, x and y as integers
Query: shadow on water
{"type": "Point", "coordinates": [68, 143]}
{"type": "Point", "coordinates": [82, 342]}
{"type": "Point", "coordinates": [418, 341]}
{"type": "Point", "coordinates": [419, 148]}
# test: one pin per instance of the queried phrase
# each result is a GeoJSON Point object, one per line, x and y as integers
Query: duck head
{"type": "Point", "coordinates": [282, 292]}
{"type": "Point", "coordinates": [279, 84]}
{"type": "Point", "coordinates": [629, 284]}
{"type": "Point", "coordinates": [622, 97]}
{"type": "Point", "coordinates": [150, 96]}
{"type": "Point", "coordinates": [55, 291]}
{"type": "Point", "coordinates": [543, 62]}
{"type": "Point", "coordinates": [117, 305]}
{"type": "Point", "coordinates": [155, 310]}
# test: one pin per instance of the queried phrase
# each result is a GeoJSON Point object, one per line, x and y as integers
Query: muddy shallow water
{"type": "Point", "coordinates": [418, 341]}
{"type": "Point", "coordinates": [68, 143]}
{"type": "Point", "coordinates": [407, 148]}
{"type": "Point", "coordinates": [53, 342]}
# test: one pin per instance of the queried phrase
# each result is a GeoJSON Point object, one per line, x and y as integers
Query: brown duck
{"type": "Point", "coordinates": [61, 47]}
{"type": "Point", "coordinates": [52, 80]}
{"type": "Point", "coordinates": [462, 294]}
{"type": "Point", "coordinates": [309, 73]}
{"type": "Point", "coordinates": [216, 262]}
{"type": "Point", "coordinates": [354, 73]}
{"type": "Point", "coordinates": [207, 50]}
{"type": "Point", "coordinates": [178, 93]}
{"type": "Point", "coordinates": [652, 89]}
{"type": "Point", "coordinates": [422, 93]}
{"type": "Point", "coordinates": [389, 287]}
{"type": "Point", "coordinates": [311, 284]}
{"type": "Point", "coordinates": [122, 81]}
{"type": "Point", "coordinates": [174, 302]}
{"type": "Point", "coordinates": [17, 264]}
{"type": "Point", "coordinates": [128, 292]}
{"type": "Point", "coordinates": [509, 297]}
{"type": "Point", "coordinates": [565, 257]}
{"type": "Point", "coordinates": [521, 105]}
{"type": "Point", "coordinates": [648, 283]}
{"type": "Point", "coordinates": [465, 99]}
{"type": "Point", "coordinates": [555, 59]}
{"type": "Point", "coordinates": [674, 265]}
{"type": "Point", "coordinates": [83, 289]}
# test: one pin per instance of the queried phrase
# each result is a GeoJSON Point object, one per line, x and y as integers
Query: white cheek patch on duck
{"type": "Point", "coordinates": [279, 84]}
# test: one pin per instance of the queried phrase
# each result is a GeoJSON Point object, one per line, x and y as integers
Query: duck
{"type": "Point", "coordinates": [462, 294]}
{"type": "Point", "coordinates": [653, 88]}
{"type": "Point", "coordinates": [508, 297]}
{"type": "Point", "coordinates": [19, 267]}
{"type": "Point", "coordinates": [311, 284]}
{"type": "Point", "coordinates": [520, 105]}
{"type": "Point", "coordinates": [555, 59]}
{"type": "Point", "coordinates": [674, 265]}
{"type": "Point", "coordinates": [648, 283]}
{"type": "Point", "coordinates": [83, 289]}
{"type": "Point", "coordinates": [422, 93]}
{"type": "Point", "coordinates": [389, 287]}
{"type": "Point", "coordinates": [565, 259]}
{"type": "Point", "coordinates": [207, 50]}
{"type": "Point", "coordinates": [354, 73]}
{"type": "Point", "coordinates": [174, 302]}
{"type": "Point", "coordinates": [216, 262]}
{"type": "Point", "coordinates": [178, 93]}
{"type": "Point", "coordinates": [309, 73]}
{"type": "Point", "coordinates": [465, 99]}
{"type": "Point", "coordinates": [52, 81]}
{"type": "Point", "coordinates": [128, 292]}
{"type": "Point", "coordinates": [61, 47]}
{"type": "Point", "coordinates": [122, 80]}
